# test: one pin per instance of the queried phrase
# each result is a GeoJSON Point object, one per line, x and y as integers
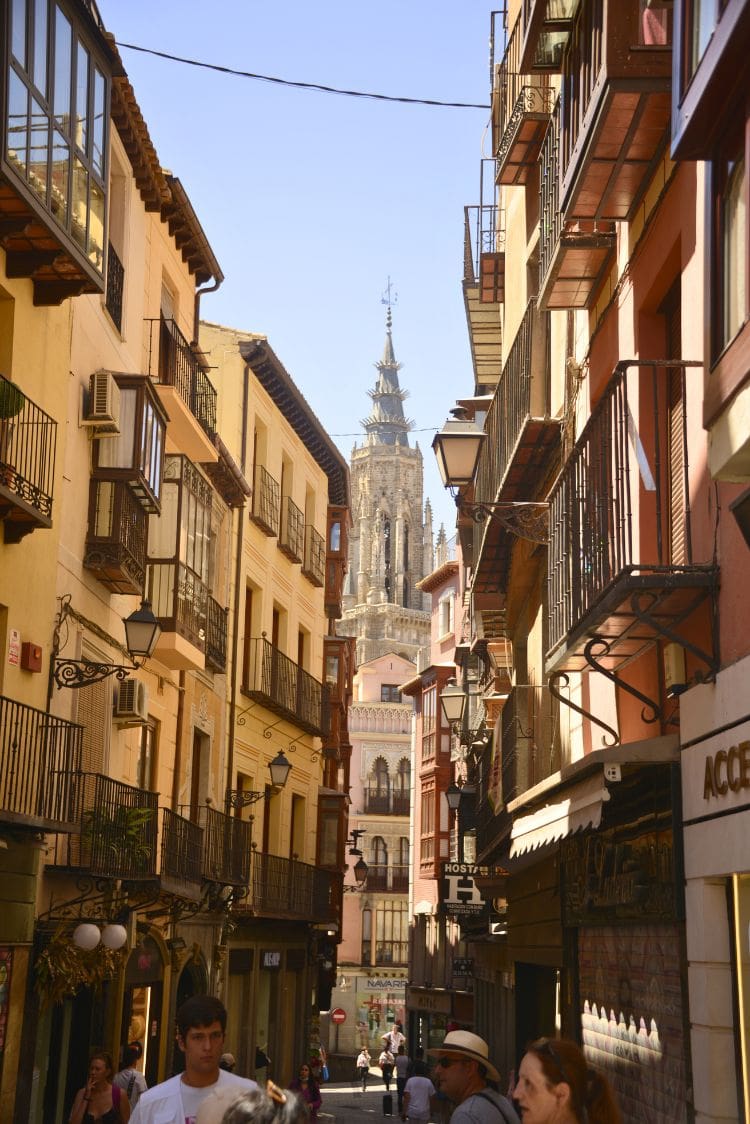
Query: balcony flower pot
{"type": "Point", "coordinates": [12, 400]}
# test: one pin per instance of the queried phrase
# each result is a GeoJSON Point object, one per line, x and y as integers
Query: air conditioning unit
{"type": "Point", "coordinates": [131, 703]}
{"type": "Point", "coordinates": [102, 410]}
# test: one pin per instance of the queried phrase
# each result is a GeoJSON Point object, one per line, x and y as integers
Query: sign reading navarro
{"type": "Point", "coordinates": [461, 898]}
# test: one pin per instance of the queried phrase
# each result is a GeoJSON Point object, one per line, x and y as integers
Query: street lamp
{"type": "Point", "coordinates": [360, 868]}
{"type": "Point", "coordinates": [279, 768]}
{"type": "Point", "coordinates": [452, 701]}
{"type": "Point", "coordinates": [453, 796]}
{"type": "Point", "coordinates": [457, 448]}
{"type": "Point", "coordinates": [142, 631]}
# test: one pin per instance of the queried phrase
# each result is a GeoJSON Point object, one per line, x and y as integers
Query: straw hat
{"type": "Point", "coordinates": [467, 1045]}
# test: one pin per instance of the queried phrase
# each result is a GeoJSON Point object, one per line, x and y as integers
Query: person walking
{"type": "Point", "coordinates": [463, 1070]}
{"type": "Point", "coordinates": [99, 1099]}
{"type": "Point", "coordinates": [386, 1062]}
{"type": "Point", "coordinates": [363, 1066]}
{"type": "Point", "coordinates": [129, 1079]}
{"type": "Point", "coordinates": [418, 1098]}
{"type": "Point", "coordinates": [402, 1065]}
{"type": "Point", "coordinates": [556, 1084]}
{"type": "Point", "coordinates": [307, 1088]}
{"type": "Point", "coordinates": [201, 1030]}
{"type": "Point", "coordinates": [394, 1038]}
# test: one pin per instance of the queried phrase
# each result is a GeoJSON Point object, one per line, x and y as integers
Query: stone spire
{"type": "Point", "coordinates": [386, 424]}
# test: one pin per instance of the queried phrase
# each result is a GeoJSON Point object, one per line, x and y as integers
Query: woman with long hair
{"type": "Point", "coordinates": [556, 1086]}
{"type": "Point", "coordinates": [308, 1090]}
{"type": "Point", "coordinates": [271, 1105]}
{"type": "Point", "coordinates": [99, 1101]}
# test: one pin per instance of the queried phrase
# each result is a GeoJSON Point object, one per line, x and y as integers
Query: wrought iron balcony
{"type": "Point", "coordinates": [314, 563]}
{"type": "Point", "coordinates": [172, 362]}
{"type": "Point", "coordinates": [115, 287]}
{"type": "Point", "coordinates": [388, 952]}
{"type": "Point", "coordinates": [574, 256]}
{"type": "Point", "coordinates": [521, 107]}
{"type": "Point", "coordinates": [287, 888]}
{"type": "Point", "coordinates": [621, 566]}
{"type": "Point", "coordinates": [484, 278]}
{"type": "Point", "coordinates": [116, 539]}
{"type": "Point", "coordinates": [28, 440]}
{"type": "Point", "coordinates": [226, 847]}
{"type": "Point", "coordinates": [266, 501]}
{"type": "Point", "coordinates": [116, 831]}
{"type": "Point", "coordinates": [181, 851]}
{"type": "Point", "coordinates": [292, 530]}
{"type": "Point", "coordinates": [216, 636]}
{"type": "Point", "coordinates": [393, 878]}
{"type": "Point", "coordinates": [282, 686]}
{"type": "Point", "coordinates": [387, 803]}
{"type": "Point", "coordinates": [530, 753]}
{"type": "Point", "coordinates": [617, 70]}
{"type": "Point", "coordinates": [39, 757]}
{"type": "Point", "coordinates": [179, 599]}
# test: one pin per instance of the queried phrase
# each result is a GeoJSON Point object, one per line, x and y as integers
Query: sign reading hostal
{"type": "Point", "coordinates": [461, 898]}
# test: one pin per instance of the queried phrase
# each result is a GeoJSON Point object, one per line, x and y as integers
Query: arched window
{"type": "Point", "coordinates": [377, 875]}
{"type": "Point", "coordinates": [379, 851]}
{"type": "Point", "coordinates": [378, 786]}
{"type": "Point", "coordinates": [403, 852]}
{"type": "Point", "coordinates": [401, 787]}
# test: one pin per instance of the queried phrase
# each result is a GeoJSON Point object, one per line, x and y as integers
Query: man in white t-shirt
{"type": "Point", "coordinates": [418, 1095]}
{"type": "Point", "coordinates": [201, 1030]}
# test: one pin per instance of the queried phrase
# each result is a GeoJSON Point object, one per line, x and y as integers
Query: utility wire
{"type": "Point", "coordinates": [302, 85]}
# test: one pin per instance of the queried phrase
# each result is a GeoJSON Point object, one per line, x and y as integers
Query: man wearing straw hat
{"type": "Point", "coordinates": [462, 1071]}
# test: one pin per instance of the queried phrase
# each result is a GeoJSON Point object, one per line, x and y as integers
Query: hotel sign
{"type": "Point", "coordinates": [727, 770]}
{"type": "Point", "coordinates": [461, 897]}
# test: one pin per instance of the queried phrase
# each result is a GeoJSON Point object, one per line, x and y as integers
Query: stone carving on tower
{"type": "Point", "coordinates": [391, 541]}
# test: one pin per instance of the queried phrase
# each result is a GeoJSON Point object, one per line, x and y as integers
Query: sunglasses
{"type": "Point", "coordinates": [445, 1063]}
{"type": "Point", "coordinates": [544, 1047]}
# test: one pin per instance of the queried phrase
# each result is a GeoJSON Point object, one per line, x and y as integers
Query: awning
{"type": "Point", "coordinates": [581, 809]}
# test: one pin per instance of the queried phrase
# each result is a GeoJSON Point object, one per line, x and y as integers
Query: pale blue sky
{"type": "Point", "coordinates": [311, 200]}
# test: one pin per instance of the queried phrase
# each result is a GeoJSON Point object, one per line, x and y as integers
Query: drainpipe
{"type": "Point", "coordinates": [240, 511]}
{"type": "Point", "coordinates": [179, 725]}
{"type": "Point", "coordinates": [197, 306]}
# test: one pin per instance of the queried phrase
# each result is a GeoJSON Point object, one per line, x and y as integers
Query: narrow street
{"type": "Point", "coordinates": [345, 1103]}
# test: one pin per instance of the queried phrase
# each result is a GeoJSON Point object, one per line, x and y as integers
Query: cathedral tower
{"type": "Point", "coordinates": [391, 541]}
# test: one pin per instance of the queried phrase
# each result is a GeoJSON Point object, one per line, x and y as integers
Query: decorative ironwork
{"type": "Point", "coordinates": [594, 661]}
{"type": "Point", "coordinates": [82, 673]}
{"type": "Point", "coordinates": [216, 636]}
{"type": "Point", "coordinates": [292, 531]}
{"type": "Point", "coordinates": [266, 505]}
{"type": "Point", "coordinates": [526, 520]}
{"type": "Point", "coordinates": [39, 756]}
{"type": "Point", "coordinates": [28, 438]}
{"type": "Point", "coordinates": [242, 797]}
{"type": "Point", "coordinates": [564, 679]}
{"type": "Point", "coordinates": [281, 685]}
{"type": "Point", "coordinates": [711, 660]}
{"type": "Point", "coordinates": [115, 287]}
{"type": "Point", "coordinates": [179, 366]}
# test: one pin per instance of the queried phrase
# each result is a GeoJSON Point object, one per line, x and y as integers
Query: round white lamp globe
{"type": "Point", "coordinates": [86, 936]}
{"type": "Point", "coordinates": [114, 936]}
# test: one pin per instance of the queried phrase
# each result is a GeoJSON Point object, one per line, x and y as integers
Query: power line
{"type": "Point", "coordinates": [303, 85]}
{"type": "Point", "coordinates": [363, 432]}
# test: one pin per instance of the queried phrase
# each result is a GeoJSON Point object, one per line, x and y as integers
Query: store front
{"type": "Point", "coordinates": [715, 752]}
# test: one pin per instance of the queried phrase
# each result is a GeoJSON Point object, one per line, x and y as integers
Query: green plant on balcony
{"type": "Point", "coordinates": [61, 968]}
{"type": "Point", "coordinates": [11, 399]}
{"type": "Point", "coordinates": [118, 837]}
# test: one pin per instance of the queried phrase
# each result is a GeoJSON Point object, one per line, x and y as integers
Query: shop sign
{"type": "Point", "coordinates": [270, 958]}
{"type": "Point", "coordinates": [428, 1001]}
{"type": "Point", "coordinates": [610, 876]}
{"type": "Point", "coordinates": [374, 983]}
{"type": "Point", "coordinates": [727, 770]}
{"type": "Point", "coordinates": [461, 897]}
{"type": "Point", "coordinates": [463, 965]}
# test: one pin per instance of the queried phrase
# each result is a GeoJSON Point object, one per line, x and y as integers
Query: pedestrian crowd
{"type": "Point", "coordinates": [555, 1084]}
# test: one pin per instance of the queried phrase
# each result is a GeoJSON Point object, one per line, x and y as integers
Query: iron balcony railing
{"type": "Point", "coordinates": [179, 599]}
{"type": "Point", "coordinates": [266, 501]}
{"type": "Point", "coordinates": [282, 685]}
{"type": "Point", "coordinates": [314, 564]}
{"type": "Point", "coordinates": [517, 396]}
{"type": "Point", "coordinates": [116, 831]}
{"type": "Point", "coordinates": [181, 848]}
{"type": "Point", "coordinates": [39, 758]}
{"type": "Point", "coordinates": [173, 362]}
{"type": "Point", "coordinates": [623, 500]}
{"type": "Point", "coordinates": [115, 287]}
{"type": "Point", "coordinates": [288, 888]}
{"type": "Point", "coordinates": [117, 534]}
{"type": "Point", "coordinates": [517, 94]}
{"type": "Point", "coordinates": [292, 530]}
{"type": "Point", "coordinates": [550, 216]}
{"type": "Point", "coordinates": [386, 952]}
{"type": "Point", "coordinates": [216, 636]}
{"type": "Point", "coordinates": [226, 847]}
{"type": "Point", "coordinates": [394, 878]}
{"type": "Point", "coordinates": [484, 233]}
{"type": "Point", "coordinates": [387, 803]}
{"type": "Point", "coordinates": [28, 439]}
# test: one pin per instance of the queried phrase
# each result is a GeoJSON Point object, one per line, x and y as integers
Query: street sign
{"type": "Point", "coordinates": [338, 1015]}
